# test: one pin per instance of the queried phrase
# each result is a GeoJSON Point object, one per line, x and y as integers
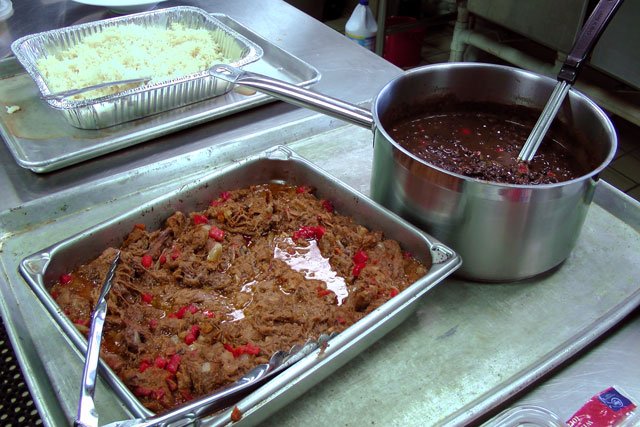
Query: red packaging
{"type": "Point", "coordinates": [606, 409]}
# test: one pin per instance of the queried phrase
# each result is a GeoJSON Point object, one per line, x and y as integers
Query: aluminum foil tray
{"type": "Point", "coordinates": [142, 101]}
{"type": "Point", "coordinates": [278, 164]}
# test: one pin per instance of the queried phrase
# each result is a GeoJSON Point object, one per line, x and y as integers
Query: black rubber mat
{"type": "Point", "coordinates": [16, 405]}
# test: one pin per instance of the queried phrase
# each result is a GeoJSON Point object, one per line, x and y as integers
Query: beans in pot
{"type": "Point", "coordinates": [484, 143]}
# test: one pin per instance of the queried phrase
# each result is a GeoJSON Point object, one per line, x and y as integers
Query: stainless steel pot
{"type": "Point", "coordinates": [503, 232]}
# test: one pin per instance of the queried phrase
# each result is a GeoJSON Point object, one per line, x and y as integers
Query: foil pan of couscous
{"type": "Point", "coordinates": [172, 47]}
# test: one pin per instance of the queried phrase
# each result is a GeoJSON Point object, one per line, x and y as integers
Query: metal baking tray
{"type": "Point", "coordinates": [278, 164]}
{"type": "Point", "coordinates": [154, 97]}
{"type": "Point", "coordinates": [53, 144]}
{"type": "Point", "coordinates": [467, 349]}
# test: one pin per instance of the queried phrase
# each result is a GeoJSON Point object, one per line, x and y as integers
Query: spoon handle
{"type": "Point", "coordinates": [589, 34]}
{"type": "Point", "coordinates": [587, 38]}
{"type": "Point", "coordinates": [87, 415]}
{"type": "Point", "coordinates": [58, 96]}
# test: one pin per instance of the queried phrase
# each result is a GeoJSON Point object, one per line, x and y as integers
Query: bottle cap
{"type": "Point", "coordinates": [6, 9]}
{"type": "Point", "coordinates": [364, 2]}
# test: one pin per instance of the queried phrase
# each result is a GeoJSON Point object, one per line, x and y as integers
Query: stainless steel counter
{"type": "Point", "coordinates": [355, 75]}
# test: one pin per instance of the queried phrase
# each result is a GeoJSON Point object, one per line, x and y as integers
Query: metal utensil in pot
{"type": "Point", "coordinates": [590, 33]}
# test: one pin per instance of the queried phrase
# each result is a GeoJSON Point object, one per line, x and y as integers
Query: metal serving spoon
{"type": "Point", "coordinates": [58, 96]}
{"type": "Point", "coordinates": [590, 33]}
{"type": "Point", "coordinates": [87, 415]}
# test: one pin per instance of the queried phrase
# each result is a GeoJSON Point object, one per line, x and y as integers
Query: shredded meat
{"type": "Point", "coordinates": [213, 293]}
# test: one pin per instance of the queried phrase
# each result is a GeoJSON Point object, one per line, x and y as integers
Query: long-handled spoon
{"type": "Point", "coordinates": [87, 415]}
{"type": "Point", "coordinates": [590, 33]}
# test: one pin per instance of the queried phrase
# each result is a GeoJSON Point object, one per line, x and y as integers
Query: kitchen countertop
{"type": "Point", "coordinates": [349, 73]}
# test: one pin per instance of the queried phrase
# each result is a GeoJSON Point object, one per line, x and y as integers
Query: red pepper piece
{"type": "Point", "coordinates": [242, 349]}
{"type": "Point", "coordinates": [465, 131]}
{"type": "Point", "coordinates": [236, 414]}
{"type": "Point", "coordinates": [146, 261]}
{"type": "Point", "coordinates": [200, 219]}
{"type": "Point", "coordinates": [251, 349]}
{"type": "Point", "coordinates": [189, 339]}
{"type": "Point", "coordinates": [174, 363]}
{"type": "Point", "coordinates": [147, 298]}
{"type": "Point", "coordinates": [322, 291]}
{"type": "Point", "coordinates": [181, 312]}
{"type": "Point", "coordinates": [54, 295]}
{"type": "Point", "coordinates": [160, 362]}
{"type": "Point", "coordinates": [225, 195]}
{"type": "Point", "coordinates": [192, 308]}
{"type": "Point", "coordinates": [209, 314]}
{"type": "Point", "coordinates": [141, 391]}
{"type": "Point", "coordinates": [192, 335]}
{"type": "Point", "coordinates": [523, 168]}
{"type": "Point", "coordinates": [233, 350]}
{"type": "Point", "coordinates": [153, 324]}
{"type": "Point", "coordinates": [393, 292]}
{"type": "Point", "coordinates": [309, 232]}
{"type": "Point", "coordinates": [301, 189]}
{"type": "Point", "coordinates": [216, 234]}
{"type": "Point", "coordinates": [357, 268]}
{"type": "Point", "coordinates": [144, 365]}
{"type": "Point", "coordinates": [360, 257]}
{"type": "Point", "coordinates": [65, 278]}
{"type": "Point", "coordinates": [175, 253]}
{"type": "Point", "coordinates": [162, 259]}
{"type": "Point", "coordinates": [341, 320]}
{"type": "Point", "coordinates": [328, 206]}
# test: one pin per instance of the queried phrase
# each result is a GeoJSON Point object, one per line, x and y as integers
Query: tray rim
{"type": "Point", "coordinates": [134, 135]}
{"type": "Point", "coordinates": [32, 267]}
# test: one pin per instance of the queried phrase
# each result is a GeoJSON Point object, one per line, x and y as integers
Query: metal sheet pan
{"type": "Point", "coordinates": [279, 164]}
{"type": "Point", "coordinates": [152, 98]}
{"type": "Point", "coordinates": [42, 141]}
{"type": "Point", "coordinates": [466, 349]}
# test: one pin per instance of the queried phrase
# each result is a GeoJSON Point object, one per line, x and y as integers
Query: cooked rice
{"type": "Point", "coordinates": [119, 53]}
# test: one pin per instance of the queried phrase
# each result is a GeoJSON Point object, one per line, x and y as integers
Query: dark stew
{"type": "Point", "coordinates": [483, 142]}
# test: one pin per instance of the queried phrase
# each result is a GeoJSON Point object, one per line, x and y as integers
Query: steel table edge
{"type": "Point", "coordinates": [493, 399]}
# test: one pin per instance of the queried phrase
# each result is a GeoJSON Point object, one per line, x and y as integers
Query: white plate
{"type": "Point", "coordinates": [126, 6]}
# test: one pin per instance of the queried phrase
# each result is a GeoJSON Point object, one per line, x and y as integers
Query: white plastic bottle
{"type": "Point", "coordinates": [362, 27]}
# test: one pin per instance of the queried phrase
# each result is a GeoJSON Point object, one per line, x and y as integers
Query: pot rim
{"type": "Point", "coordinates": [475, 65]}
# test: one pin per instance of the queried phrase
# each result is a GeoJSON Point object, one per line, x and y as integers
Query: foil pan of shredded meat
{"type": "Point", "coordinates": [266, 264]}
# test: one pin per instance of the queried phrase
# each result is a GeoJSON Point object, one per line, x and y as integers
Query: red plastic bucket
{"type": "Point", "coordinates": [403, 48]}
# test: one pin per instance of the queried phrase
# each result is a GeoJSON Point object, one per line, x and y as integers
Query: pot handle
{"type": "Point", "coordinates": [294, 95]}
